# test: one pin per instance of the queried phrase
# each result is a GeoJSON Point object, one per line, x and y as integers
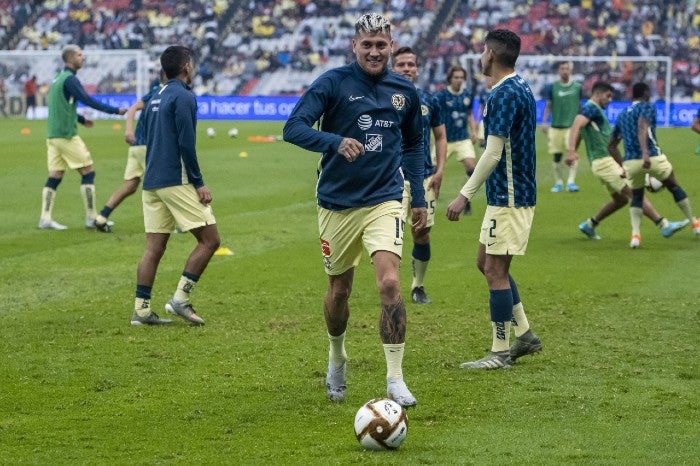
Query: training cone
{"type": "Point", "coordinates": [116, 126]}
{"type": "Point", "coordinates": [222, 251]}
{"type": "Point", "coordinates": [25, 131]}
{"type": "Point", "coordinates": [243, 154]}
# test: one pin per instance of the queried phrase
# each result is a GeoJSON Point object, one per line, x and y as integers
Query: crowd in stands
{"type": "Point", "coordinates": [586, 28]}
{"type": "Point", "coordinates": [250, 47]}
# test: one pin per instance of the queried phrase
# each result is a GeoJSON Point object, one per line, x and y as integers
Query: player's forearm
{"type": "Point", "coordinates": [487, 162]}
{"type": "Point", "coordinates": [73, 88]}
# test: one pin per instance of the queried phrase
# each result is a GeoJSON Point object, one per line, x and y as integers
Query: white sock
{"type": "Point", "coordinates": [687, 209]}
{"type": "Point", "coordinates": [184, 287]}
{"type": "Point", "coordinates": [572, 173]}
{"type": "Point", "coordinates": [87, 191]}
{"type": "Point", "coordinates": [336, 353]}
{"type": "Point", "coordinates": [636, 219]}
{"type": "Point", "coordinates": [557, 173]}
{"type": "Point", "coordinates": [394, 360]}
{"type": "Point", "coordinates": [48, 195]}
{"type": "Point", "coordinates": [419, 269]}
{"type": "Point", "coordinates": [519, 321]}
{"type": "Point", "coordinates": [501, 332]}
{"type": "Point", "coordinates": [142, 306]}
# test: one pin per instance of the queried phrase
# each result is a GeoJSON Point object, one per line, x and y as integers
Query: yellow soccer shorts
{"type": "Point", "coordinates": [558, 140]}
{"type": "Point", "coordinates": [660, 169]}
{"type": "Point", "coordinates": [135, 163]}
{"type": "Point", "coordinates": [609, 173]}
{"type": "Point", "coordinates": [460, 149]}
{"type": "Point", "coordinates": [429, 200]}
{"type": "Point", "coordinates": [506, 230]}
{"type": "Point", "coordinates": [343, 233]}
{"type": "Point", "coordinates": [67, 153]}
{"type": "Point", "coordinates": [179, 205]}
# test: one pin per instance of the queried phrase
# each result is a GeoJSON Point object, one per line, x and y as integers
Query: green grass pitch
{"type": "Point", "coordinates": [616, 383]}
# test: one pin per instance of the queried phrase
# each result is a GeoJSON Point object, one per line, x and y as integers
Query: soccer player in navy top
{"type": "Point", "coordinates": [405, 62]}
{"type": "Point", "coordinates": [456, 103]}
{"type": "Point", "coordinates": [136, 158]}
{"type": "Point", "coordinates": [636, 128]}
{"type": "Point", "coordinates": [508, 168]}
{"type": "Point", "coordinates": [174, 192]}
{"type": "Point", "coordinates": [370, 127]}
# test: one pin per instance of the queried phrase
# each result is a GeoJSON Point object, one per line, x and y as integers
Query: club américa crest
{"type": "Point", "coordinates": [398, 101]}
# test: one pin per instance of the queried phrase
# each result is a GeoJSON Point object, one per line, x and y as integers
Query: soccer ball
{"type": "Point", "coordinates": [233, 132]}
{"type": "Point", "coordinates": [210, 132]}
{"type": "Point", "coordinates": [652, 184]}
{"type": "Point", "coordinates": [381, 424]}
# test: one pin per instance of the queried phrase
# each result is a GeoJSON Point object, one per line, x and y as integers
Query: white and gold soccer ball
{"type": "Point", "coordinates": [652, 184]}
{"type": "Point", "coordinates": [211, 132]}
{"type": "Point", "coordinates": [233, 132]}
{"type": "Point", "coordinates": [381, 424]}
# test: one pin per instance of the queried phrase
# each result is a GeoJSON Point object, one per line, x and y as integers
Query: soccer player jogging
{"type": "Point", "coordinates": [594, 128]}
{"type": "Point", "coordinates": [636, 128]}
{"type": "Point", "coordinates": [174, 192]}
{"type": "Point", "coordinates": [405, 62]}
{"type": "Point", "coordinates": [370, 119]}
{"type": "Point", "coordinates": [563, 102]}
{"type": "Point", "coordinates": [136, 158]}
{"type": "Point", "coordinates": [507, 166]}
{"type": "Point", "coordinates": [456, 106]}
{"type": "Point", "coordinates": [65, 148]}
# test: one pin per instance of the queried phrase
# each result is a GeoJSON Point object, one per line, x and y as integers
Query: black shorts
{"type": "Point", "coordinates": [31, 101]}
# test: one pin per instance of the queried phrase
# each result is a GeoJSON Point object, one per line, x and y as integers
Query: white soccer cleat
{"type": "Point", "coordinates": [397, 390]}
{"type": "Point", "coordinates": [635, 241]}
{"type": "Point", "coordinates": [51, 225]}
{"type": "Point", "coordinates": [336, 381]}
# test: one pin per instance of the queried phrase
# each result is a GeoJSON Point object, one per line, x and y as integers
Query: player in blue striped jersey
{"type": "Point", "coordinates": [507, 166]}
{"type": "Point", "coordinates": [636, 128]}
{"type": "Point", "coordinates": [405, 62]}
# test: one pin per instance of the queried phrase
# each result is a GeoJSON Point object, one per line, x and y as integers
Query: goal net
{"type": "Point", "coordinates": [105, 72]}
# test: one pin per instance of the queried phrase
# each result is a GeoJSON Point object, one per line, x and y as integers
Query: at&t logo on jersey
{"type": "Point", "coordinates": [364, 122]}
{"type": "Point", "coordinates": [373, 143]}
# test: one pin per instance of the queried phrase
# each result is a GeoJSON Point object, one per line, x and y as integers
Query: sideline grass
{"type": "Point", "coordinates": [617, 382]}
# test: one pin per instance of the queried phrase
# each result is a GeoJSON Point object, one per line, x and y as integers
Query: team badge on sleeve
{"type": "Point", "coordinates": [424, 110]}
{"type": "Point", "coordinates": [398, 101]}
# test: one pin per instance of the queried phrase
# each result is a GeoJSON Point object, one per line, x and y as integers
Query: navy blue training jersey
{"type": "Point", "coordinates": [140, 131]}
{"type": "Point", "coordinates": [382, 112]}
{"type": "Point", "coordinates": [455, 112]}
{"type": "Point", "coordinates": [171, 157]}
{"type": "Point", "coordinates": [511, 114]}
{"type": "Point", "coordinates": [626, 129]}
{"type": "Point", "coordinates": [430, 111]}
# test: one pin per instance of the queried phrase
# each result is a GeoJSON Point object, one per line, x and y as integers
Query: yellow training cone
{"type": "Point", "coordinates": [222, 251]}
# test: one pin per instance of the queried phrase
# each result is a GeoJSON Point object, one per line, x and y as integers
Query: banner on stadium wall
{"type": "Point", "coordinates": [278, 108]}
{"type": "Point", "coordinates": [682, 114]}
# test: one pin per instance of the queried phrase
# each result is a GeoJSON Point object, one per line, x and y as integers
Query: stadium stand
{"type": "Point", "coordinates": [279, 46]}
